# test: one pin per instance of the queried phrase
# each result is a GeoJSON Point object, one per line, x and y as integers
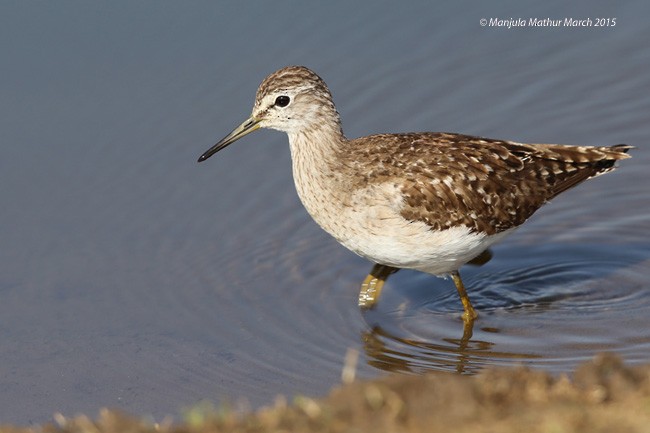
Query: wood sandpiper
{"type": "Point", "coordinates": [426, 201]}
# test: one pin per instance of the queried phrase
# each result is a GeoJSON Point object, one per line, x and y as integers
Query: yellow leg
{"type": "Point", "coordinates": [372, 285]}
{"type": "Point", "coordinates": [470, 314]}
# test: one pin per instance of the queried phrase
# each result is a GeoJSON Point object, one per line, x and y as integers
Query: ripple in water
{"type": "Point", "coordinates": [547, 310]}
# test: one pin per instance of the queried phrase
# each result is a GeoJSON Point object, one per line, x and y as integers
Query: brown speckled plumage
{"type": "Point", "coordinates": [425, 201]}
{"type": "Point", "coordinates": [484, 184]}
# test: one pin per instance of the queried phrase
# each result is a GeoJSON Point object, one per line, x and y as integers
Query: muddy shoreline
{"type": "Point", "coordinates": [603, 395]}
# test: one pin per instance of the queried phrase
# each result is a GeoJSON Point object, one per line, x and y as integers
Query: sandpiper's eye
{"type": "Point", "coordinates": [282, 101]}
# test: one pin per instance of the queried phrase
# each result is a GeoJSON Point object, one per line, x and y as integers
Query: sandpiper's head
{"type": "Point", "coordinates": [294, 100]}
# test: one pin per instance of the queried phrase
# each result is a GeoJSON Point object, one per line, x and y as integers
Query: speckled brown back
{"type": "Point", "coordinates": [487, 185]}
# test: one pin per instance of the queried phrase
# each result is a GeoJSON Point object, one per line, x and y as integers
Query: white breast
{"type": "Point", "coordinates": [369, 223]}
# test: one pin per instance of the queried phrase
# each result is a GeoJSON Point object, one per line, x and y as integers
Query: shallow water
{"type": "Point", "coordinates": [132, 277]}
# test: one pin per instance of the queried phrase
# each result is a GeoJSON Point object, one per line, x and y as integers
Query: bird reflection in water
{"type": "Point", "coordinates": [391, 352]}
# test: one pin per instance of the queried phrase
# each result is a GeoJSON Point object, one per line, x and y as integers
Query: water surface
{"type": "Point", "coordinates": [131, 277]}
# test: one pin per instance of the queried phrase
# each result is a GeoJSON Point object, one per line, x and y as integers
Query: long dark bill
{"type": "Point", "coordinates": [248, 126]}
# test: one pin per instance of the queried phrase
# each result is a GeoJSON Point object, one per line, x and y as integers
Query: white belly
{"type": "Point", "coordinates": [370, 224]}
{"type": "Point", "coordinates": [418, 247]}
